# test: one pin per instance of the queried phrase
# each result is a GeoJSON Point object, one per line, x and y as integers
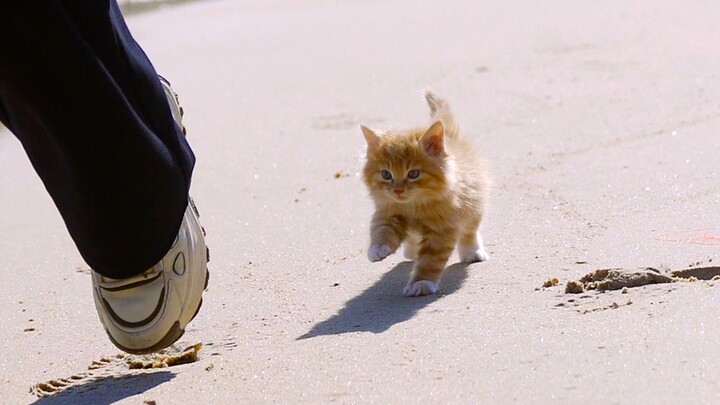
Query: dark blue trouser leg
{"type": "Point", "coordinates": [86, 104]}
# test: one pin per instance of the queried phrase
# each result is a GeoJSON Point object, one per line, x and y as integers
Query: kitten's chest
{"type": "Point", "coordinates": [433, 219]}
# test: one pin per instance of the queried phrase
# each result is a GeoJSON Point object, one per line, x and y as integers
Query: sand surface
{"type": "Point", "coordinates": [600, 119]}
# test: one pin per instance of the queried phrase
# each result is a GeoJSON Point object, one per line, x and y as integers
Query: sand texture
{"type": "Point", "coordinates": [600, 124]}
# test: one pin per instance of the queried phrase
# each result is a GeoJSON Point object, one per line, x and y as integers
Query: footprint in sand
{"type": "Point", "coordinates": [227, 343]}
{"type": "Point", "coordinates": [119, 366]}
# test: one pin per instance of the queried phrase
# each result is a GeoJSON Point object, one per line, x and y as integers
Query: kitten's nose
{"type": "Point", "coordinates": [398, 191]}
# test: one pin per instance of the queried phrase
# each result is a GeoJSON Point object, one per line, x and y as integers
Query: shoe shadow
{"type": "Point", "coordinates": [106, 390]}
{"type": "Point", "coordinates": [382, 305]}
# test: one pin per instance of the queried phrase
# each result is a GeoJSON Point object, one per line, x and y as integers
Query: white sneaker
{"type": "Point", "coordinates": [150, 311]}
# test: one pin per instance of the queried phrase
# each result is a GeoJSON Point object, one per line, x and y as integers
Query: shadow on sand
{"type": "Point", "coordinates": [107, 390]}
{"type": "Point", "coordinates": [382, 305]}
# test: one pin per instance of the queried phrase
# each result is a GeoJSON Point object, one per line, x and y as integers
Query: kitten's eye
{"type": "Point", "coordinates": [386, 175]}
{"type": "Point", "coordinates": [413, 174]}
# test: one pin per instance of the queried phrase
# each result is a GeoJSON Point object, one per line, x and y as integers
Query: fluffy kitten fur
{"type": "Point", "coordinates": [429, 189]}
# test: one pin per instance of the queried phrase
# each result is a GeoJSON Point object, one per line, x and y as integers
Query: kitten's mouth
{"type": "Point", "coordinates": [395, 197]}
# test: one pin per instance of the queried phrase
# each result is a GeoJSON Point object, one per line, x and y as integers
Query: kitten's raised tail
{"type": "Point", "coordinates": [440, 111]}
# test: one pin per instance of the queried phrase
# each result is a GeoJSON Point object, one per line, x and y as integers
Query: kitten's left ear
{"type": "Point", "coordinates": [433, 141]}
{"type": "Point", "coordinates": [372, 139]}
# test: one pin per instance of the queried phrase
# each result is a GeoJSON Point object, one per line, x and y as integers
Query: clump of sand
{"type": "Point", "coordinates": [551, 283]}
{"type": "Point", "coordinates": [574, 287]}
{"type": "Point", "coordinates": [622, 278]}
{"type": "Point", "coordinates": [700, 273]}
{"type": "Point", "coordinates": [616, 279]}
{"type": "Point", "coordinates": [169, 357]}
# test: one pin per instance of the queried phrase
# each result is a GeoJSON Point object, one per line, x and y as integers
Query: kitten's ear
{"type": "Point", "coordinates": [433, 141]}
{"type": "Point", "coordinates": [372, 139]}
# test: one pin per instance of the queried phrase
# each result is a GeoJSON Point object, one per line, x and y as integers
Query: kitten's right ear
{"type": "Point", "coordinates": [372, 139]}
{"type": "Point", "coordinates": [433, 141]}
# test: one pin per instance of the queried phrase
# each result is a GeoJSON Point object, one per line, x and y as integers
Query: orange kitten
{"type": "Point", "coordinates": [429, 189]}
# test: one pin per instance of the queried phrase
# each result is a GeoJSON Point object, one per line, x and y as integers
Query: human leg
{"type": "Point", "coordinates": [87, 106]}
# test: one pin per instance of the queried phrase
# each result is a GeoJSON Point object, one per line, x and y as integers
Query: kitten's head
{"type": "Point", "coordinates": [406, 167]}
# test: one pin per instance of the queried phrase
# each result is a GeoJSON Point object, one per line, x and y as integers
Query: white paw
{"type": "Point", "coordinates": [422, 287]}
{"type": "Point", "coordinates": [474, 256]}
{"type": "Point", "coordinates": [379, 252]}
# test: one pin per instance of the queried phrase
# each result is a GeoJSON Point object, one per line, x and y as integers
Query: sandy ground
{"type": "Point", "coordinates": [600, 120]}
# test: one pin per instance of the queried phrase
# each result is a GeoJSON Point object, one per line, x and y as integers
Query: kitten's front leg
{"type": "Point", "coordinates": [473, 251]}
{"type": "Point", "coordinates": [386, 235]}
{"type": "Point", "coordinates": [470, 245]}
{"type": "Point", "coordinates": [412, 246]}
{"type": "Point", "coordinates": [435, 250]}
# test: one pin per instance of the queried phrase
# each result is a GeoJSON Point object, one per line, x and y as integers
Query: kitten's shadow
{"type": "Point", "coordinates": [382, 305]}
